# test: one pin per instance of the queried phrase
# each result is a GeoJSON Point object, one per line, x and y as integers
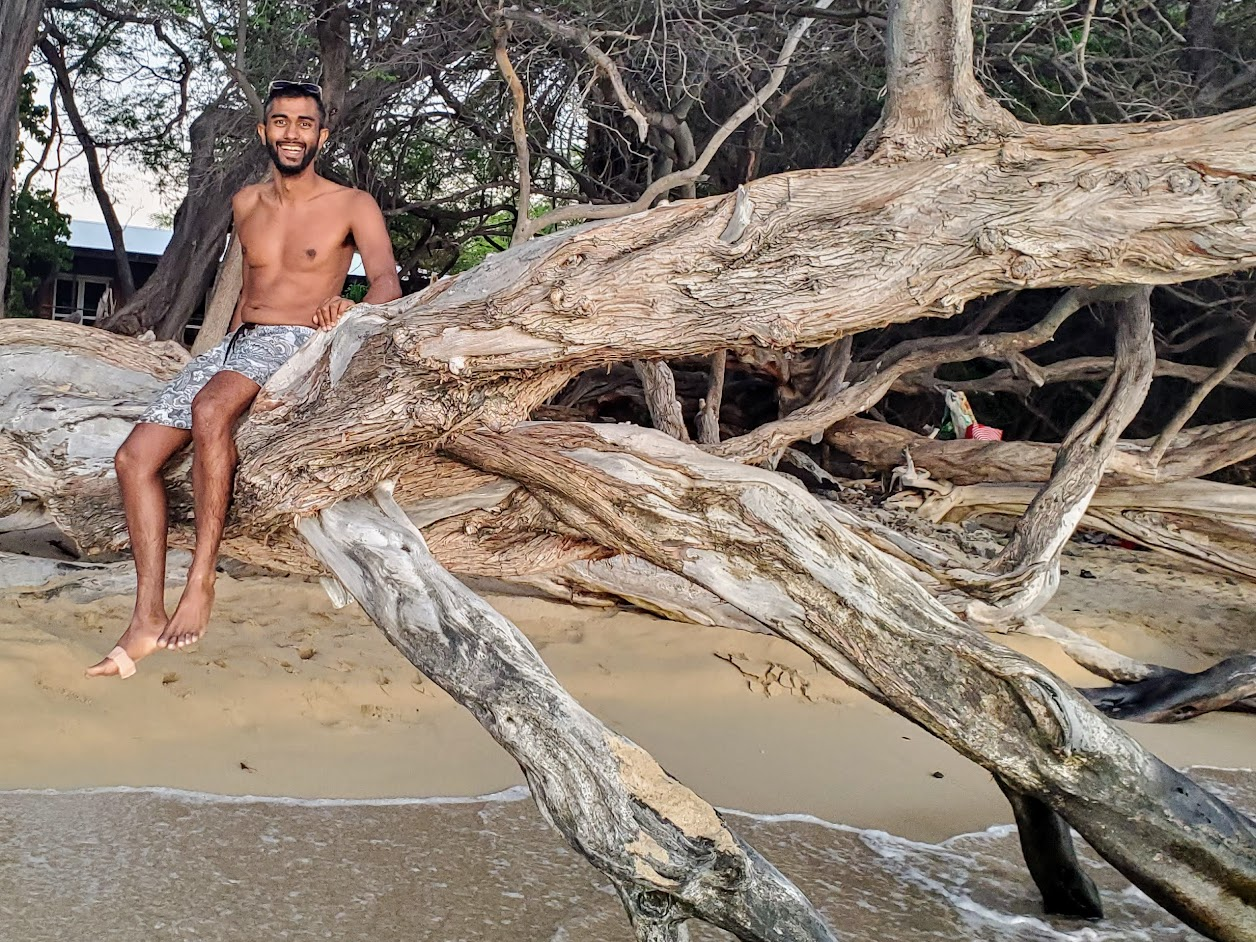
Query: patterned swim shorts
{"type": "Point", "coordinates": [252, 350]}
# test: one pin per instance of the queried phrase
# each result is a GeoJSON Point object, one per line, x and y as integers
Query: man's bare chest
{"type": "Point", "coordinates": [294, 239]}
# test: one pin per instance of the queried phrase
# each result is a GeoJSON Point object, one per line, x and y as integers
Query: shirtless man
{"type": "Point", "coordinates": [298, 231]}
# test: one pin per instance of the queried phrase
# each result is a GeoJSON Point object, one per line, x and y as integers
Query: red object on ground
{"type": "Point", "coordinates": [984, 433]}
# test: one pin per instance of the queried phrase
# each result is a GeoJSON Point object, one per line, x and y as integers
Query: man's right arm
{"type": "Point", "coordinates": [239, 204]}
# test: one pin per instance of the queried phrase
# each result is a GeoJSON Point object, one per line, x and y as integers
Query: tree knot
{"type": "Point", "coordinates": [1023, 267]}
{"type": "Point", "coordinates": [1137, 183]}
{"type": "Point", "coordinates": [1013, 155]}
{"type": "Point", "coordinates": [1183, 181]}
{"type": "Point", "coordinates": [990, 241]}
{"type": "Point", "coordinates": [575, 306]}
{"type": "Point", "coordinates": [1236, 196]}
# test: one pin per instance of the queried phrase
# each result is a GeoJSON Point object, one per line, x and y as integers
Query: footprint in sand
{"type": "Point", "coordinates": [375, 712]}
{"type": "Point", "coordinates": [768, 677]}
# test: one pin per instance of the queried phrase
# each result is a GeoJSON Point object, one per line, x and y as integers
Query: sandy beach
{"type": "Point", "coordinates": [287, 696]}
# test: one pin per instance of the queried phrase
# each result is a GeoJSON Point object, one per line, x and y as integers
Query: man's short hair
{"type": "Point", "coordinates": [282, 88]}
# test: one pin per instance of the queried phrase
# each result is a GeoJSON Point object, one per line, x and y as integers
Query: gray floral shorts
{"type": "Point", "coordinates": [252, 350]}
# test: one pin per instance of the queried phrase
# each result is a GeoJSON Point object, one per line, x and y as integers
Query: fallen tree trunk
{"type": "Point", "coordinates": [668, 853]}
{"type": "Point", "coordinates": [884, 244]}
{"type": "Point", "coordinates": [1196, 522]}
{"type": "Point", "coordinates": [1195, 453]}
{"type": "Point", "coordinates": [79, 582]}
{"type": "Point", "coordinates": [764, 545]}
{"type": "Point", "coordinates": [1170, 696]}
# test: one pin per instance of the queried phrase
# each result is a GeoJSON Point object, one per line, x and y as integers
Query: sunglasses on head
{"type": "Point", "coordinates": [283, 87]}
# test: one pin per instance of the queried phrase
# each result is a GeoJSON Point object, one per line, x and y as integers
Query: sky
{"type": "Point", "coordinates": [133, 192]}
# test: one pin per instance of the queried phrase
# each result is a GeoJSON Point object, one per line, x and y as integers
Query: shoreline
{"type": "Point", "coordinates": [288, 697]}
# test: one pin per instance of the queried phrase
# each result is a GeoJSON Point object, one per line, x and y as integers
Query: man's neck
{"type": "Point", "coordinates": [290, 189]}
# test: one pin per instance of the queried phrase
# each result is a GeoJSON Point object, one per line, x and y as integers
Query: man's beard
{"type": "Point", "coordinates": [290, 170]}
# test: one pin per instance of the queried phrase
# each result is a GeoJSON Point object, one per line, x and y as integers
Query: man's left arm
{"type": "Point", "coordinates": [370, 236]}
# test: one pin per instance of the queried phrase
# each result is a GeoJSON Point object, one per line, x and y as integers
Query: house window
{"type": "Point", "coordinates": [77, 298]}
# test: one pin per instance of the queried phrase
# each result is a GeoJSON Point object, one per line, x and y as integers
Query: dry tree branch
{"type": "Point", "coordinates": [879, 376]}
{"type": "Point", "coordinates": [588, 44]}
{"type": "Point", "coordinates": [519, 130]}
{"type": "Point", "coordinates": [1183, 415]}
{"type": "Point", "coordinates": [692, 173]}
{"type": "Point", "coordinates": [235, 65]}
{"type": "Point", "coordinates": [1081, 45]}
{"type": "Point", "coordinates": [1073, 370]}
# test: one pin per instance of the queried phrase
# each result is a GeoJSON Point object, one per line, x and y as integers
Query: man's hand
{"type": "Point", "coordinates": [330, 311]}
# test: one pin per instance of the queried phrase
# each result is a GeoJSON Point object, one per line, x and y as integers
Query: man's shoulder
{"type": "Point", "coordinates": [247, 196]}
{"type": "Point", "coordinates": [351, 195]}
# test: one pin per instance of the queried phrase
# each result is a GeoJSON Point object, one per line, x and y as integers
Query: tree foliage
{"type": "Point", "coordinates": [38, 236]}
{"type": "Point", "coordinates": [38, 230]}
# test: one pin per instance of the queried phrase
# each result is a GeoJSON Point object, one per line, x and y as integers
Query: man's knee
{"type": "Point", "coordinates": [133, 459]}
{"type": "Point", "coordinates": [129, 460]}
{"type": "Point", "coordinates": [213, 414]}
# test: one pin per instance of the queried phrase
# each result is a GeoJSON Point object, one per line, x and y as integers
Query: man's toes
{"type": "Point", "coordinates": [105, 668]}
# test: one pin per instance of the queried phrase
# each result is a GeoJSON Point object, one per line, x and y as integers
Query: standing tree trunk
{"type": "Point", "coordinates": [172, 294]}
{"type": "Point", "coordinates": [124, 286]}
{"type": "Point", "coordinates": [223, 299]}
{"type": "Point", "coordinates": [19, 25]}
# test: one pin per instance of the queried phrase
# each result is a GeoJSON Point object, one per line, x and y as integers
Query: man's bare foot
{"type": "Point", "coordinates": [139, 640]}
{"type": "Point", "coordinates": [187, 624]}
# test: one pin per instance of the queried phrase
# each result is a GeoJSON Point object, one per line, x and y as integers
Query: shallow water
{"type": "Point", "coordinates": [144, 864]}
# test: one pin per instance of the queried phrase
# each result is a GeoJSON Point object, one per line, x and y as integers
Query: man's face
{"type": "Point", "coordinates": [292, 133]}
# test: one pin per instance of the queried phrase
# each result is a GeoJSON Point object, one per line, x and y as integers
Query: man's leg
{"type": "Point", "coordinates": [139, 462]}
{"type": "Point", "coordinates": [215, 410]}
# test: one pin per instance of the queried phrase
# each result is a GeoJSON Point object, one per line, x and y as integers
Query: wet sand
{"type": "Point", "coordinates": [128, 865]}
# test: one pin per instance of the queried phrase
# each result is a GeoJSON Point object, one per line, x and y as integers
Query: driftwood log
{"type": "Point", "coordinates": [759, 544]}
{"type": "Point", "coordinates": [427, 395]}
